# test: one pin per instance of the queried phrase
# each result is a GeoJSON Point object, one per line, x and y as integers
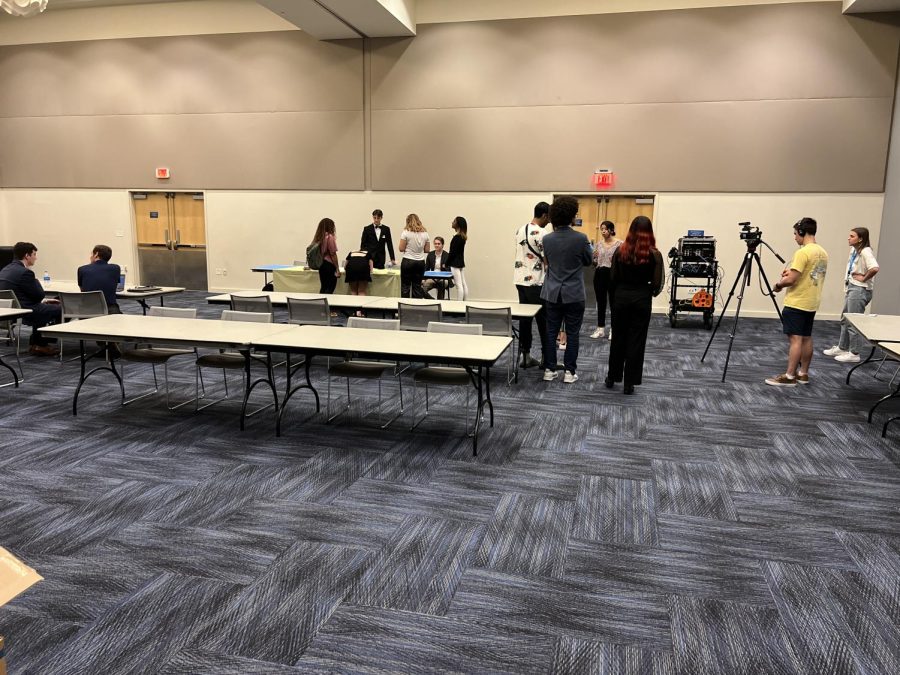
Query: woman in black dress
{"type": "Point", "coordinates": [456, 259]}
{"type": "Point", "coordinates": [358, 271]}
{"type": "Point", "coordinates": [636, 276]}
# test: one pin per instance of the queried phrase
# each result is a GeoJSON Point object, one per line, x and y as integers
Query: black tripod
{"type": "Point", "coordinates": [743, 278]}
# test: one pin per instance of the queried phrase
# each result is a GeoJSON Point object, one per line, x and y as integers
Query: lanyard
{"type": "Point", "coordinates": [850, 264]}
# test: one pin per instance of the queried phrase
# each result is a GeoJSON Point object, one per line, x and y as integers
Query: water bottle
{"type": "Point", "coordinates": [122, 275]}
{"type": "Point", "coordinates": [46, 278]}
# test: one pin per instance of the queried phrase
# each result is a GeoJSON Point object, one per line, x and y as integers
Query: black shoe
{"type": "Point", "coordinates": [528, 361]}
{"type": "Point", "coordinates": [608, 382]}
{"type": "Point", "coordinates": [629, 389]}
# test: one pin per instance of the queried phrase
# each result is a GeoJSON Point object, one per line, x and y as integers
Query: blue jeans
{"type": "Point", "coordinates": [572, 314]}
{"type": "Point", "coordinates": [855, 302]}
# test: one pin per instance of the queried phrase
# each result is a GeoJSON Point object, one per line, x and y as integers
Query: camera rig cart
{"type": "Point", "coordinates": [693, 265]}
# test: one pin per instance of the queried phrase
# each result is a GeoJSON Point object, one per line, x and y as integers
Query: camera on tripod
{"type": "Point", "coordinates": [749, 233]}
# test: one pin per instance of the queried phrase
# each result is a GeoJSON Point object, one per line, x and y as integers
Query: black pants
{"type": "Point", "coordinates": [630, 322]}
{"type": "Point", "coordinates": [327, 278]}
{"type": "Point", "coordinates": [531, 295]}
{"type": "Point", "coordinates": [602, 290]}
{"type": "Point", "coordinates": [569, 314]}
{"type": "Point", "coordinates": [411, 274]}
{"type": "Point", "coordinates": [41, 315]}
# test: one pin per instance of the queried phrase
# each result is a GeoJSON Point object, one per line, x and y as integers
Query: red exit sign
{"type": "Point", "coordinates": [604, 179]}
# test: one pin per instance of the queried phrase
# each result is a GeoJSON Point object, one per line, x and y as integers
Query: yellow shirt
{"type": "Point", "coordinates": [811, 261]}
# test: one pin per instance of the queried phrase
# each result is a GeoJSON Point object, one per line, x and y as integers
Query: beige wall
{"type": "Point", "coordinates": [247, 228]}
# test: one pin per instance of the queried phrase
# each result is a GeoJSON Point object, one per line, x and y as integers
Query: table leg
{"type": "Point", "coordinates": [307, 362]}
{"type": "Point", "coordinates": [868, 358]}
{"type": "Point", "coordinates": [893, 394]}
{"type": "Point", "coordinates": [10, 369]}
{"type": "Point", "coordinates": [479, 408]}
{"type": "Point", "coordinates": [884, 428]}
{"type": "Point", "coordinates": [249, 386]}
{"type": "Point", "coordinates": [83, 358]}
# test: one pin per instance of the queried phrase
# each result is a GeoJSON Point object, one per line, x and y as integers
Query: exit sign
{"type": "Point", "coordinates": [604, 179]}
{"type": "Point", "coordinates": [162, 172]}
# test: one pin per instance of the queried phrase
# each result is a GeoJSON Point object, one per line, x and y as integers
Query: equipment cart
{"type": "Point", "coordinates": [694, 278]}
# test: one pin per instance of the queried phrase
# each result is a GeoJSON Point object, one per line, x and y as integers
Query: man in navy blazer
{"type": "Point", "coordinates": [19, 278]}
{"type": "Point", "coordinates": [100, 275]}
{"type": "Point", "coordinates": [566, 252]}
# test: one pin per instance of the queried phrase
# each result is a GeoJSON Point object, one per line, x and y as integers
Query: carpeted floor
{"type": "Point", "coordinates": [696, 527]}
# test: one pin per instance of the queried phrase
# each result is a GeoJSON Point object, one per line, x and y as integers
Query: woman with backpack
{"type": "Point", "coordinates": [324, 245]}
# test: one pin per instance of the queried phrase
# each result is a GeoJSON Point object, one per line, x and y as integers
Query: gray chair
{"type": "Point", "coordinates": [366, 370]}
{"type": "Point", "coordinates": [76, 306]}
{"type": "Point", "coordinates": [252, 303]}
{"type": "Point", "coordinates": [11, 330]}
{"type": "Point", "coordinates": [308, 312]}
{"type": "Point", "coordinates": [496, 321]}
{"type": "Point", "coordinates": [159, 355]}
{"type": "Point", "coordinates": [448, 376]}
{"type": "Point", "coordinates": [416, 317]}
{"type": "Point", "coordinates": [227, 360]}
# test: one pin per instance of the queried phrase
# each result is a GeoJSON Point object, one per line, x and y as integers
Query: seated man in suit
{"type": "Point", "coordinates": [19, 278]}
{"type": "Point", "coordinates": [100, 275]}
{"type": "Point", "coordinates": [376, 238]}
{"type": "Point", "coordinates": [436, 260]}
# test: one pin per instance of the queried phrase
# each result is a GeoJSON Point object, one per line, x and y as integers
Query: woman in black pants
{"type": "Point", "coordinates": [637, 276]}
{"type": "Point", "coordinates": [329, 272]}
{"type": "Point", "coordinates": [603, 255]}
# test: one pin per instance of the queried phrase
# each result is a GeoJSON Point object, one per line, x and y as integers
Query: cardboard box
{"type": "Point", "coordinates": [15, 577]}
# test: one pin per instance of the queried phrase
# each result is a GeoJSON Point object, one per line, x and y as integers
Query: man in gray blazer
{"type": "Point", "coordinates": [566, 252]}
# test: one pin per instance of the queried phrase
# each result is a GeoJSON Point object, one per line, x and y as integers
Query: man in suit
{"type": "Point", "coordinates": [436, 261]}
{"type": "Point", "coordinates": [376, 238]}
{"type": "Point", "coordinates": [100, 275]}
{"type": "Point", "coordinates": [19, 278]}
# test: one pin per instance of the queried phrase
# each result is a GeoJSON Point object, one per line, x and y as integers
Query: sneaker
{"type": "Point", "coordinates": [598, 333]}
{"type": "Point", "coordinates": [609, 334]}
{"type": "Point", "coordinates": [847, 357]}
{"type": "Point", "coordinates": [561, 345]}
{"type": "Point", "coordinates": [834, 351]}
{"type": "Point", "coordinates": [569, 378]}
{"type": "Point", "coordinates": [550, 375]}
{"type": "Point", "coordinates": [782, 380]}
{"type": "Point", "coordinates": [803, 379]}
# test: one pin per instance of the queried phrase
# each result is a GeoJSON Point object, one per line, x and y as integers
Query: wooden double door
{"type": "Point", "coordinates": [171, 238]}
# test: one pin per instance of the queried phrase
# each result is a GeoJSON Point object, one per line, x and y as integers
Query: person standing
{"type": "Point", "coordinates": [566, 252]}
{"type": "Point", "coordinates": [329, 272]}
{"type": "Point", "coordinates": [414, 245]}
{"type": "Point", "coordinates": [436, 261]}
{"type": "Point", "coordinates": [858, 285]}
{"type": "Point", "coordinates": [804, 279]}
{"type": "Point", "coordinates": [528, 276]}
{"type": "Point", "coordinates": [101, 275]}
{"type": "Point", "coordinates": [376, 239]}
{"type": "Point", "coordinates": [637, 275]}
{"type": "Point", "coordinates": [603, 255]}
{"type": "Point", "coordinates": [19, 278]}
{"type": "Point", "coordinates": [457, 258]}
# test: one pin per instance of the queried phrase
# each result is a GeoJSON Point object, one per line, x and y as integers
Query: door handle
{"type": "Point", "coordinates": [177, 238]}
{"type": "Point", "coordinates": [168, 241]}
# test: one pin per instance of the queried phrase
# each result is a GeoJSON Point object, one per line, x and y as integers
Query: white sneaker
{"type": "Point", "coordinates": [550, 375]}
{"type": "Point", "coordinates": [598, 333]}
{"type": "Point", "coordinates": [847, 357]}
{"type": "Point", "coordinates": [834, 351]}
{"type": "Point", "coordinates": [609, 334]}
{"type": "Point", "coordinates": [569, 378]}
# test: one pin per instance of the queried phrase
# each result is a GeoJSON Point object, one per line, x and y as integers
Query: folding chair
{"type": "Point", "coordinates": [496, 321]}
{"type": "Point", "coordinates": [76, 306]}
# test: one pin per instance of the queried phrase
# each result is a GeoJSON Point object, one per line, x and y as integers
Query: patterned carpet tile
{"type": "Point", "coordinates": [760, 470]}
{"type": "Point", "coordinates": [527, 536]}
{"type": "Point", "coordinates": [692, 489]}
{"type": "Point", "coordinates": [194, 661]}
{"type": "Point", "coordinates": [30, 637]}
{"type": "Point", "coordinates": [497, 480]}
{"type": "Point", "coordinates": [419, 569]}
{"type": "Point", "coordinates": [383, 641]}
{"type": "Point", "coordinates": [562, 608]}
{"type": "Point", "coordinates": [574, 656]}
{"type": "Point", "coordinates": [707, 575]}
{"type": "Point", "coordinates": [615, 510]}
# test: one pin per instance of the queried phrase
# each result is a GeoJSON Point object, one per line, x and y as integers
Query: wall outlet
{"type": "Point", "coordinates": [218, 271]}
{"type": "Point", "coordinates": [120, 233]}
{"type": "Point", "coordinates": [224, 272]}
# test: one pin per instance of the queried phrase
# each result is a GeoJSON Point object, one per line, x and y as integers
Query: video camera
{"type": "Point", "coordinates": [749, 233]}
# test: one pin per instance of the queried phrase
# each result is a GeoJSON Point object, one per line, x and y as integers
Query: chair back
{"type": "Point", "coordinates": [309, 312]}
{"type": "Point", "coordinates": [251, 303]}
{"type": "Point", "coordinates": [493, 320]}
{"type": "Point", "coordinates": [82, 305]}
{"type": "Point", "coordinates": [380, 324]}
{"type": "Point", "coordinates": [10, 295]}
{"type": "Point", "coordinates": [258, 317]}
{"type": "Point", "coordinates": [416, 317]}
{"type": "Point", "coordinates": [456, 328]}
{"type": "Point", "coordinates": [174, 312]}
{"type": "Point", "coordinates": [6, 303]}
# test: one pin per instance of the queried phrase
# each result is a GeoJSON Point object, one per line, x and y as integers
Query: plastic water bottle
{"type": "Point", "coordinates": [46, 277]}
{"type": "Point", "coordinates": [122, 276]}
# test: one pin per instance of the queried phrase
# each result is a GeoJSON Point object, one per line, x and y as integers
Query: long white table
{"type": "Point", "coordinates": [210, 333]}
{"type": "Point", "coordinates": [475, 353]}
{"type": "Point", "coordinates": [875, 328]}
{"type": "Point", "coordinates": [279, 299]}
{"type": "Point", "coordinates": [892, 348]}
{"type": "Point", "coordinates": [456, 307]}
{"type": "Point", "coordinates": [54, 288]}
{"type": "Point", "coordinates": [11, 314]}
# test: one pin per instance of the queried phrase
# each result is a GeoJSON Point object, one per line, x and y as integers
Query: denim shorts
{"type": "Point", "coordinates": [797, 321]}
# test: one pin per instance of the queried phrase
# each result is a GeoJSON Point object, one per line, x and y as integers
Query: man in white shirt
{"type": "Point", "coordinates": [528, 276]}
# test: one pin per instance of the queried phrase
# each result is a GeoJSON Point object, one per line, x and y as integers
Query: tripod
{"type": "Point", "coordinates": [743, 278]}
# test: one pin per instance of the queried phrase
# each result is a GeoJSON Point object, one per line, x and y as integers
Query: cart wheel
{"type": "Point", "coordinates": [707, 321]}
{"type": "Point", "coordinates": [672, 319]}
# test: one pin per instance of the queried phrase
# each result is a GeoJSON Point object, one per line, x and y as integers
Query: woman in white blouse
{"type": "Point", "coordinates": [861, 267]}
{"type": "Point", "coordinates": [603, 255]}
{"type": "Point", "coordinates": [414, 245]}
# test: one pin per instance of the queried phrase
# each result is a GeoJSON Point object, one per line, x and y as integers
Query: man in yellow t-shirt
{"type": "Point", "coordinates": [804, 280]}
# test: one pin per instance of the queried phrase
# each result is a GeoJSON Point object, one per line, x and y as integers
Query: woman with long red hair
{"type": "Point", "coordinates": [637, 275]}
